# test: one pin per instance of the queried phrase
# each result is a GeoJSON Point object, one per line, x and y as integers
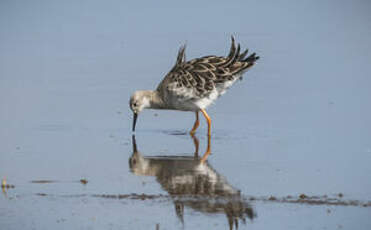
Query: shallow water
{"type": "Point", "coordinates": [290, 143]}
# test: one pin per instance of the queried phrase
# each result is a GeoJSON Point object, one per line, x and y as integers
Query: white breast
{"type": "Point", "coordinates": [183, 98]}
{"type": "Point", "coordinates": [204, 102]}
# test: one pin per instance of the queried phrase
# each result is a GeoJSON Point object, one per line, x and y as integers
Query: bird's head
{"type": "Point", "coordinates": [139, 101]}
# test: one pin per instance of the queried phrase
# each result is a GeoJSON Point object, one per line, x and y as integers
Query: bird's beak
{"type": "Point", "coordinates": [134, 144]}
{"type": "Point", "coordinates": [135, 120]}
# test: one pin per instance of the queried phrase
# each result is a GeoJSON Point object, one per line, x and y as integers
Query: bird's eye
{"type": "Point", "coordinates": [135, 104]}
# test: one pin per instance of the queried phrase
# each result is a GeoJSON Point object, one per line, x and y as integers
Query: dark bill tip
{"type": "Point", "coordinates": [134, 143]}
{"type": "Point", "coordinates": [135, 121]}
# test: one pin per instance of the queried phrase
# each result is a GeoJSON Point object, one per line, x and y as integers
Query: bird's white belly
{"type": "Point", "coordinates": [204, 102]}
{"type": "Point", "coordinates": [193, 104]}
{"type": "Point", "coordinates": [188, 103]}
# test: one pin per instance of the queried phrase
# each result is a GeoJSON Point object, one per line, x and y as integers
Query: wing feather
{"type": "Point", "coordinates": [198, 77]}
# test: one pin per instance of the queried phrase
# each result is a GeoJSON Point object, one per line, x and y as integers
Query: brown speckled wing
{"type": "Point", "coordinates": [198, 77]}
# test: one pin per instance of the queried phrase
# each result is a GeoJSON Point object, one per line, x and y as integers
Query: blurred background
{"type": "Point", "coordinates": [299, 122]}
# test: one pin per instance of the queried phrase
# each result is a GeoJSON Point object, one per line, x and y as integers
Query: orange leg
{"type": "Point", "coordinates": [208, 150]}
{"type": "Point", "coordinates": [208, 122]}
{"type": "Point", "coordinates": [195, 126]}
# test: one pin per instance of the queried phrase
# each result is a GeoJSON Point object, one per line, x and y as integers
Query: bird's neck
{"type": "Point", "coordinates": [155, 101]}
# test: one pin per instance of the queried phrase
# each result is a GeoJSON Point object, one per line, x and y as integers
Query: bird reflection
{"type": "Point", "coordinates": [192, 182]}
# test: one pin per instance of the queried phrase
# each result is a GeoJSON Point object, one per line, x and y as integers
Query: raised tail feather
{"type": "Point", "coordinates": [235, 56]}
{"type": "Point", "coordinates": [181, 55]}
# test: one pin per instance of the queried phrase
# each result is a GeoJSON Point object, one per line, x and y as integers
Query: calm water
{"type": "Point", "coordinates": [290, 143]}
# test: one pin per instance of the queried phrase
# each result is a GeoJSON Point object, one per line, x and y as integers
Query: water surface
{"type": "Point", "coordinates": [290, 143]}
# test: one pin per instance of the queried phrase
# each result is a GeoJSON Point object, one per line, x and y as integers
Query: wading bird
{"type": "Point", "coordinates": [194, 85]}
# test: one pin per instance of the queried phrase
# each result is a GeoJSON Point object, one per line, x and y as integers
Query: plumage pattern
{"type": "Point", "coordinates": [205, 77]}
{"type": "Point", "coordinates": [194, 85]}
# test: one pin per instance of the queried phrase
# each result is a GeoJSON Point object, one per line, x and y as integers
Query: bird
{"type": "Point", "coordinates": [194, 85]}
